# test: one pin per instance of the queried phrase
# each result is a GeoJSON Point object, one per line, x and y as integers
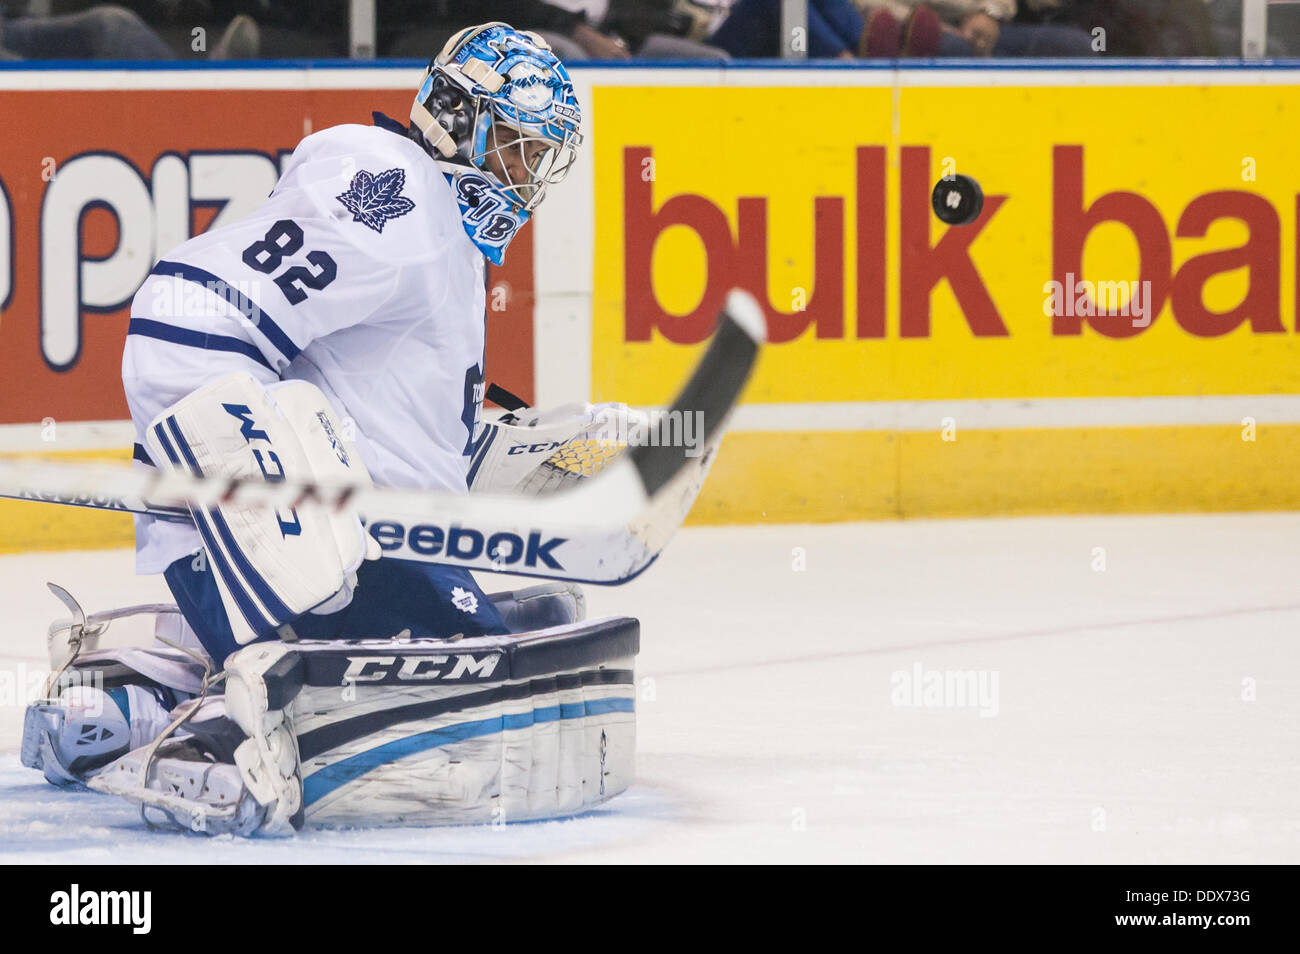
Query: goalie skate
{"type": "Point", "coordinates": [68, 738]}
{"type": "Point", "coordinates": [236, 768]}
{"type": "Point", "coordinates": [184, 789]}
{"type": "Point", "coordinates": [82, 723]}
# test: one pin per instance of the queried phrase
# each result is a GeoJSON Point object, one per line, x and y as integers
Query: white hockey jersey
{"type": "Point", "coordinates": [356, 275]}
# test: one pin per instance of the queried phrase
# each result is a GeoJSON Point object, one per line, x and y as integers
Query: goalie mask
{"type": "Point", "coordinates": [498, 112]}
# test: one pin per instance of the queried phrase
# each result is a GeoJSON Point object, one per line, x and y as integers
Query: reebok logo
{"type": "Point", "coordinates": [467, 544]}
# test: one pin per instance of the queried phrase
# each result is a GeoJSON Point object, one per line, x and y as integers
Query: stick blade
{"type": "Point", "coordinates": [713, 389]}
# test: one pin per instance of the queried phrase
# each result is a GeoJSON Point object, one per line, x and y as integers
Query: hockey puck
{"type": "Point", "coordinates": [957, 199]}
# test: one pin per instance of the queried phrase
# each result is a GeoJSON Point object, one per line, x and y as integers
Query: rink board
{"type": "Point", "coordinates": [829, 476]}
{"type": "Point", "coordinates": [917, 370]}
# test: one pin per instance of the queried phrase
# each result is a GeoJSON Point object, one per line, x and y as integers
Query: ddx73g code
{"type": "Point", "coordinates": [1161, 897]}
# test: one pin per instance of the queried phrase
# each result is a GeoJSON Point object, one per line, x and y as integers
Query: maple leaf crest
{"type": "Point", "coordinates": [373, 200]}
{"type": "Point", "coordinates": [464, 600]}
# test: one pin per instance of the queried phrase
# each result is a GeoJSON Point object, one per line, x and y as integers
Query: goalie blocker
{"type": "Point", "coordinates": [376, 733]}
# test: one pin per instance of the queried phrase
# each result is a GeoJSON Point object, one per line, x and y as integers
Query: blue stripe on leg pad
{"type": "Point", "coordinates": [317, 786]}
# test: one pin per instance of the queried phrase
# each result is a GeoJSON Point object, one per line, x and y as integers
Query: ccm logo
{"type": "Point", "coordinates": [466, 543]}
{"type": "Point", "coordinates": [415, 668]}
{"type": "Point", "coordinates": [545, 447]}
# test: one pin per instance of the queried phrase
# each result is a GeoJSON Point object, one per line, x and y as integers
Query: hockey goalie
{"type": "Point", "coordinates": [337, 333]}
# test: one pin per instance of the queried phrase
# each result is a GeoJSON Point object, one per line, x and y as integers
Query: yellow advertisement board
{"type": "Point", "coordinates": [1135, 240]}
{"type": "Point", "coordinates": [1135, 261]}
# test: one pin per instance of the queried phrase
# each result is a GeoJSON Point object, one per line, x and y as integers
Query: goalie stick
{"type": "Point", "coordinates": [606, 529]}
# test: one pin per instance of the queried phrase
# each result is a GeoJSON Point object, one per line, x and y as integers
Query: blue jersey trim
{"type": "Point", "coordinates": [148, 328]}
{"type": "Point", "coordinates": [229, 293]}
{"type": "Point", "coordinates": [320, 784]}
{"type": "Point", "coordinates": [390, 124]}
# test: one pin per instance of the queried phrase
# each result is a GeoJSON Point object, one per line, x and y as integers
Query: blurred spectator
{"type": "Point", "coordinates": [752, 29]}
{"type": "Point", "coordinates": [105, 32]}
{"type": "Point", "coordinates": [1132, 27]}
{"type": "Point", "coordinates": [285, 29]}
{"type": "Point", "coordinates": [991, 28]}
{"type": "Point", "coordinates": [101, 33]}
{"type": "Point", "coordinates": [656, 29]}
{"type": "Point", "coordinates": [838, 28]}
{"type": "Point", "coordinates": [574, 28]}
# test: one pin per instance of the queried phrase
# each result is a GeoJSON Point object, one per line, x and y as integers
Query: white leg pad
{"type": "Point", "coordinates": [259, 691]}
{"type": "Point", "coordinates": [271, 565]}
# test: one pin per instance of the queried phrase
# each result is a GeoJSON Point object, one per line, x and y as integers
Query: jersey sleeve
{"type": "Point", "coordinates": [355, 206]}
{"type": "Point", "coordinates": [283, 279]}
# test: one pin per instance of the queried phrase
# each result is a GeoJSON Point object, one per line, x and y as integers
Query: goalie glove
{"type": "Point", "coordinates": [533, 452]}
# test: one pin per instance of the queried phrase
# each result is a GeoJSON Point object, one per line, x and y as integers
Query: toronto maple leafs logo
{"type": "Point", "coordinates": [373, 200]}
{"type": "Point", "coordinates": [464, 600]}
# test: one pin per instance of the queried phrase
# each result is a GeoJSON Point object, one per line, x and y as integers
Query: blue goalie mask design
{"type": "Point", "coordinates": [497, 109]}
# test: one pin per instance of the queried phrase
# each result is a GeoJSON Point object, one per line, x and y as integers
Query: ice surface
{"type": "Point", "coordinates": [1124, 730]}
